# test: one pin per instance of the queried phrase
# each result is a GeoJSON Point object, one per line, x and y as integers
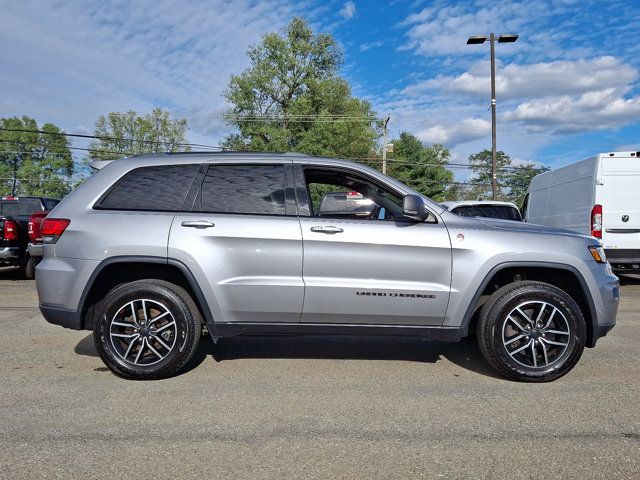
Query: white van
{"type": "Point", "coordinates": [599, 196]}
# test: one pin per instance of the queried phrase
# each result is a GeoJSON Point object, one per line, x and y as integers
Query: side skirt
{"type": "Point", "coordinates": [444, 334]}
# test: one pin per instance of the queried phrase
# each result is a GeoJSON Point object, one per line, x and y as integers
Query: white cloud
{"type": "Point", "coordinates": [81, 60]}
{"type": "Point", "coordinates": [368, 46]}
{"type": "Point", "coordinates": [348, 10]}
{"type": "Point", "coordinates": [539, 79]}
{"type": "Point", "coordinates": [598, 110]}
{"type": "Point", "coordinates": [444, 30]}
{"type": "Point", "coordinates": [558, 97]}
{"type": "Point", "coordinates": [462, 132]}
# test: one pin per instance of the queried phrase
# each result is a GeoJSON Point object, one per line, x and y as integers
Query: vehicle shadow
{"type": "Point", "coordinates": [10, 273]}
{"type": "Point", "coordinates": [629, 279]}
{"type": "Point", "coordinates": [465, 354]}
{"type": "Point", "coordinates": [86, 347]}
{"type": "Point", "coordinates": [348, 347]}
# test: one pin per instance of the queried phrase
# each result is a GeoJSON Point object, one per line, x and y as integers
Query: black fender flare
{"type": "Point", "coordinates": [466, 321]}
{"type": "Point", "coordinates": [191, 280]}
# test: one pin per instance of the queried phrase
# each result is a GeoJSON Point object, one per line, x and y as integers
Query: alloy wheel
{"type": "Point", "coordinates": [143, 332]}
{"type": "Point", "coordinates": [536, 334]}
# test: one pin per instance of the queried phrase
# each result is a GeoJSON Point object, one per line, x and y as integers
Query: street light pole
{"type": "Point", "coordinates": [478, 39]}
{"type": "Point", "coordinates": [384, 145]}
{"type": "Point", "coordinates": [494, 174]}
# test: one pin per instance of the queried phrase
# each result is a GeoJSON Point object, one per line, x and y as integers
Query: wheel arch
{"type": "Point", "coordinates": [563, 276]}
{"type": "Point", "coordinates": [123, 269]}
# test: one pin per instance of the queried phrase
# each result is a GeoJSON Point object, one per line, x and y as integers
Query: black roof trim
{"type": "Point", "coordinates": [239, 152]}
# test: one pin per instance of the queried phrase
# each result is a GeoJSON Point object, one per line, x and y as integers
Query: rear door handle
{"type": "Point", "coordinates": [197, 224]}
{"type": "Point", "coordinates": [326, 229]}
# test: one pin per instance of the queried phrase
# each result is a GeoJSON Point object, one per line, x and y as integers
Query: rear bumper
{"type": "Point", "coordinates": [62, 316]}
{"type": "Point", "coordinates": [623, 259]}
{"type": "Point", "coordinates": [36, 249]}
{"type": "Point", "coordinates": [10, 255]}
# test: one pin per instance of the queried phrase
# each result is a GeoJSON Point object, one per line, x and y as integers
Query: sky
{"type": "Point", "coordinates": [567, 89]}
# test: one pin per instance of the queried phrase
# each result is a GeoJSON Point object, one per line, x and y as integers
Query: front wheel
{"type": "Point", "coordinates": [147, 330]}
{"type": "Point", "coordinates": [531, 331]}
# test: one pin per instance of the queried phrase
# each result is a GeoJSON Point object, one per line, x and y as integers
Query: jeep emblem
{"type": "Point", "coordinates": [625, 218]}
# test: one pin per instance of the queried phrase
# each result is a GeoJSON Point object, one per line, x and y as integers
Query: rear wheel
{"type": "Point", "coordinates": [148, 329]}
{"type": "Point", "coordinates": [531, 331]}
{"type": "Point", "coordinates": [30, 268]}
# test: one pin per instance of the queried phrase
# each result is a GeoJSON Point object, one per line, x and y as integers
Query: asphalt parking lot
{"type": "Point", "coordinates": [322, 407]}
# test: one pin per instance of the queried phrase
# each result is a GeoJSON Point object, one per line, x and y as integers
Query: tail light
{"type": "Point", "coordinates": [35, 221]}
{"type": "Point", "coordinates": [32, 234]}
{"type": "Point", "coordinates": [52, 228]}
{"type": "Point", "coordinates": [10, 230]}
{"type": "Point", "coordinates": [596, 221]}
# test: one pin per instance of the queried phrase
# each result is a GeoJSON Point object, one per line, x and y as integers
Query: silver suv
{"type": "Point", "coordinates": [154, 250]}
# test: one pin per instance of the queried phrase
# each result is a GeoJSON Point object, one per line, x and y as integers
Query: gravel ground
{"type": "Point", "coordinates": [312, 407]}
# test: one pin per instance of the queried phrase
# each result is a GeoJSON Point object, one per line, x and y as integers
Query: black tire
{"type": "Point", "coordinates": [504, 332]}
{"type": "Point", "coordinates": [143, 360]}
{"type": "Point", "coordinates": [30, 268]}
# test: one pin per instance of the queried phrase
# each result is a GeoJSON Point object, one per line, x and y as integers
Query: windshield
{"type": "Point", "coordinates": [504, 212]}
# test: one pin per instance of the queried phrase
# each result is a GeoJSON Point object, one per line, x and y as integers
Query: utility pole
{"type": "Point", "coordinates": [384, 144]}
{"type": "Point", "coordinates": [494, 173]}
{"type": "Point", "coordinates": [478, 39]}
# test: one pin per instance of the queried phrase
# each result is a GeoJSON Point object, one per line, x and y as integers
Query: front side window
{"type": "Point", "coordinates": [161, 188]}
{"type": "Point", "coordinates": [243, 189]}
{"type": "Point", "coordinates": [345, 194]}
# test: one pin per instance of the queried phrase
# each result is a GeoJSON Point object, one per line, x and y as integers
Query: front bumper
{"type": "Point", "coordinates": [605, 291]}
{"type": "Point", "coordinates": [623, 260]}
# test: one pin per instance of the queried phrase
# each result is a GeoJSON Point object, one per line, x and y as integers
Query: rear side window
{"type": "Point", "coordinates": [246, 189]}
{"type": "Point", "coordinates": [160, 188]}
{"type": "Point", "coordinates": [22, 207]}
{"type": "Point", "coordinates": [504, 212]}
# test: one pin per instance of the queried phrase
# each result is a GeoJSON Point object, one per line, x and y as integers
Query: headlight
{"type": "Point", "coordinates": [597, 252]}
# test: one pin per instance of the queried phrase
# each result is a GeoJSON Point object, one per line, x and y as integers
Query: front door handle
{"type": "Point", "coordinates": [197, 224]}
{"type": "Point", "coordinates": [326, 229]}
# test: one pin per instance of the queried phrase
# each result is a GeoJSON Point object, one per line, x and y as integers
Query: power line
{"type": "Point", "coordinates": [56, 153]}
{"type": "Point", "coordinates": [107, 138]}
{"type": "Point", "coordinates": [401, 161]}
{"type": "Point", "coordinates": [445, 165]}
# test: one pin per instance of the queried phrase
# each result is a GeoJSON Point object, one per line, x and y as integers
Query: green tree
{"type": "Point", "coordinates": [481, 164]}
{"type": "Point", "coordinates": [518, 180]}
{"type": "Point", "coordinates": [512, 181]}
{"type": "Point", "coordinates": [127, 133]}
{"type": "Point", "coordinates": [292, 99]}
{"type": "Point", "coordinates": [420, 167]}
{"type": "Point", "coordinates": [33, 163]}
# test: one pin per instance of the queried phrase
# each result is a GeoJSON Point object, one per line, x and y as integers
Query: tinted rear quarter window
{"type": "Point", "coordinates": [245, 189]}
{"type": "Point", "coordinates": [489, 211]}
{"type": "Point", "coordinates": [159, 188]}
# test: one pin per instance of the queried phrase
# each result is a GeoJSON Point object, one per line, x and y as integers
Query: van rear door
{"type": "Point", "coordinates": [619, 195]}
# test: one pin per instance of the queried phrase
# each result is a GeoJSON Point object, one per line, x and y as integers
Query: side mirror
{"type": "Point", "coordinates": [413, 208]}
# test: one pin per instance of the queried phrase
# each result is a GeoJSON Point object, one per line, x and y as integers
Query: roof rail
{"type": "Point", "coordinates": [238, 152]}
